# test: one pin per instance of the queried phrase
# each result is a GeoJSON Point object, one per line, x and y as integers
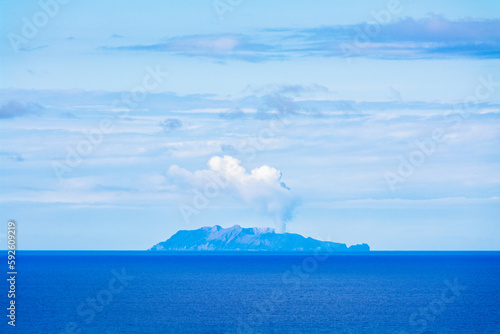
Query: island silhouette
{"type": "Point", "coordinates": [237, 238]}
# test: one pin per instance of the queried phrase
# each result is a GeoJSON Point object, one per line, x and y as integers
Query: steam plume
{"type": "Point", "coordinates": [261, 188]}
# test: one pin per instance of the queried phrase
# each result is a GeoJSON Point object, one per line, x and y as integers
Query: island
{"type": "Point", "coordinates": [238, 238]}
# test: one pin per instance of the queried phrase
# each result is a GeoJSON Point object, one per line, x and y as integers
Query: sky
{"type": "Point", "coordinates": [372, 122]}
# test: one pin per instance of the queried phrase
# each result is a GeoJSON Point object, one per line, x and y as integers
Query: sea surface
{"type": "Point", "coordinates": [148, 292]}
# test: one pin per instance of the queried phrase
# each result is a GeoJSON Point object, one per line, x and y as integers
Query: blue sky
{"type": "Point", "coordinates": [378, 121]}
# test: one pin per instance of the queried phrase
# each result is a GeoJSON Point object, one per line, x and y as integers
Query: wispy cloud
{"type": "Point", "coordinates": [33, 48]}
{"type": "Point", "coordinates": [399, 203]}
{"type": "Point", "coordinates": [11, 156]}
{"type": "Point", "coordinates": [170, 124]}
{"type": "Point", "coordinates": [407, 38]}
{"type": "Point", "coordinates": [15, 108]}
{"type": "Point", "coordinates": [253, 103]}
{"type": "Point", "coordinates": [221, 46]}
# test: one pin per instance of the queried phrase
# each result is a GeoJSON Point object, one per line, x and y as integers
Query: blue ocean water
{"type": "Point", "coordinates": [144, 292]}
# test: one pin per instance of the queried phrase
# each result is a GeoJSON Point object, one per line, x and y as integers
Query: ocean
{"type": "Point", "coordinates": [149, 292]}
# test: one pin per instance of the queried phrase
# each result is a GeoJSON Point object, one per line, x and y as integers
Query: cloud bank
{"type": "Point", "coordinates": [400, 38]}
{"type": "Point", "coordinates": [15, 108]}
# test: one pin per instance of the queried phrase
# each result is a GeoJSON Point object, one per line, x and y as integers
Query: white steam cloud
{"type": "Point", "coordinates": [261, 188]}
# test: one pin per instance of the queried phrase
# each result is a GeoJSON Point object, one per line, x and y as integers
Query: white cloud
{"type": "Point", "coordinates": [399, 203]}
